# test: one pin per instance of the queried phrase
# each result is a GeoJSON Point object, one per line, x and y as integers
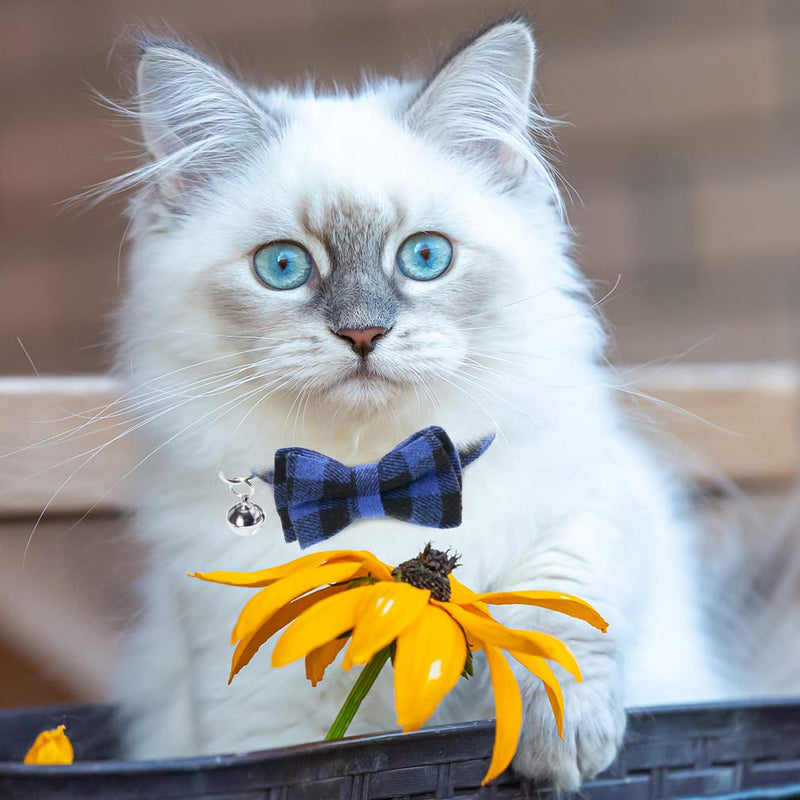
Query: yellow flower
{"type": "Point", "coordinates": [340, 598]}
{"type": "Point", "coordinates": [50, 747]}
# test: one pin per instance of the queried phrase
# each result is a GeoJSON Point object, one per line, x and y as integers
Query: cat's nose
{"type": "Point", "coordinates": [362, 341]}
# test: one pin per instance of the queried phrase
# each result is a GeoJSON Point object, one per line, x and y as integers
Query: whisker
{"type": "Point", "coordinates": [507, 305]}
{"type": "Point", "coordinates": [675, 408]}
{"type": "Point", "coordinates": [524, 412]}
{"type": "Point", "coordinates": [255, 405]}
{"type": "Point", "coordinates": [295, 401]}
{"type": "Point", "coordinates": [303, 407]}
{"type": "Point", "coordinates": [582, 311]}
{"type": "Point", "coordinates": [142, 400]}
{"type": "Point", "coordinates": [491, 416]}
{"type": "Point", "coordinates": [218, 411]}
{"type": "Point", "coordinates": [663, 363]}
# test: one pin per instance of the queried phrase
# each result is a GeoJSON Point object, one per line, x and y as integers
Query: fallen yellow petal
{"type": "Point", "coordinates": [51, 747]}
{"type": "Point", "coordinates": [320, 658]}
{"type": "Point", "coordinates": [557, 601]}
{"type": "Point", "coordinates": [490, 632]}
{"type": "Point", "coordinates": [429, 658]}
{"type": "Point", "coordinates": [508, 713]}
{"type": "Point", "coordinates": [323, 622]}
{"type": "Point", "coordinates": [388, 608]}
{"type": "Point", "coordinates": [266, 602]}
{"type": "Point", "coordinates": [248, 646]}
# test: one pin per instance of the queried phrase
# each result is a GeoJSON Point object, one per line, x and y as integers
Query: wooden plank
{"type": "Point", "coordinates": [52, 453]}
{"type": "Point", "coordinates": [740, 419]}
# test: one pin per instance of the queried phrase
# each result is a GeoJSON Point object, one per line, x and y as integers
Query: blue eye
{"type": "Point", "coordinates": [424, 256]}
{"type": "Point", "coordinates": [283, 265]}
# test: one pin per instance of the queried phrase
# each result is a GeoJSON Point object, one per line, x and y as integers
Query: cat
{"type": "Point", "coordinates": [338, 270]}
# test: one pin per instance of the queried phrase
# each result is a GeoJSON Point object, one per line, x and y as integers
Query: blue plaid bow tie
{"type": "Point", "coordinates": [419, 481]}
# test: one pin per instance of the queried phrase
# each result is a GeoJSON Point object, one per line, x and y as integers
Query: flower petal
{"type": "Point", "coordinates": [460, 594]}
{"type": "Point", "coordinates": [264, 577]}
{"type": "Point", "coordinates": [266, 602]}
{"type": "Point", "coordinates": [429, 659]}
{"type": "Point", "coordinates": [51, 747]}
{"type": "Point", "coordinates": [557, 601]}
{"type": "Point", "coordinates": [490, 632]}
{"type": "Point", "coordinates": [323, 622]}
{"type": "Point", "coordinates": [508, 713]}
{"type": "Point", "coordinates": [386, 611]}
{"type": "Point", "coordinates": [249, 645]}
{"type": "Point", "coordinates": [320, 658]}
{"type": "Point", "coordinates": [370, 563]}
{"type": "Point", "coordinates": [544, 672]}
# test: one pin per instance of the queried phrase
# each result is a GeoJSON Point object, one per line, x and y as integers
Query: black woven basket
{"type": "Point", "coordinates": [737, 751]}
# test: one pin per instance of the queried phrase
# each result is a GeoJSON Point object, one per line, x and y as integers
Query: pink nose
{"type": "Point", "coordinates": [362, 341]}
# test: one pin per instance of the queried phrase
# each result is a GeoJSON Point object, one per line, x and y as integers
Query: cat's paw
{"type": "Point", "coordinates": [594, 726]}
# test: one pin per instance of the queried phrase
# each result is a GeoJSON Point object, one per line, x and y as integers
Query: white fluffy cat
{"type": "Point", "coordinates": [225, 364]}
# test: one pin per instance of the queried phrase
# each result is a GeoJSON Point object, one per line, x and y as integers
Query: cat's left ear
{"type": "Point", "coordinates": [479, 102]}
{"type": "Point", "coordinates": [197, 121]}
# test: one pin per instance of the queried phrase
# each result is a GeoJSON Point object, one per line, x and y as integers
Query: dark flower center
{"type": "Point", "coordinates": [429, 570]}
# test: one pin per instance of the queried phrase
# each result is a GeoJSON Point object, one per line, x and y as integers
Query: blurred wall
{"type": "Point", "coordinates": [682, 145]}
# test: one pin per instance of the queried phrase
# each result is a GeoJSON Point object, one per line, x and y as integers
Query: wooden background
{"type": "Point", "coordinates": [682, 144]}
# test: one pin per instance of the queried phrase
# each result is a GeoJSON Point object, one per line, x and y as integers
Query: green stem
{"type": "Point", "coordinates": [357, 694]}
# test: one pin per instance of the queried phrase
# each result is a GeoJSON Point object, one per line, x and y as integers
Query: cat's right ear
{"type": "Point", "coordinates": [196, 120]}
{"type": "Point", "coordinates": [478, 105]}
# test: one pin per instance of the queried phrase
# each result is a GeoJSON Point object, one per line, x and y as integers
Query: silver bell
{"type": "Point", "coordinates": [245, 518]}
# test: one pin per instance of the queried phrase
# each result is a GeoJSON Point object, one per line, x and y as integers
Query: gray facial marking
{"type": "Point", "coordinates": [357, 294]}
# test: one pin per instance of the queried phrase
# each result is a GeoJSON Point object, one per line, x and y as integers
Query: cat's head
{"type": "Point", "coordinates": [358, 248]}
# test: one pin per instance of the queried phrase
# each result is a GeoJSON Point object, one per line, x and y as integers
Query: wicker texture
{"type": "Point", "coordinates": [668, 753]}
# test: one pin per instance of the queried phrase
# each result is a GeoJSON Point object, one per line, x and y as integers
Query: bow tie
{"type": "Point", "coordinates": [419, 481]}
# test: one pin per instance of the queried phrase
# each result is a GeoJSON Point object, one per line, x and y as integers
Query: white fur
{"type": "Point", "coordinates": [567, 497]}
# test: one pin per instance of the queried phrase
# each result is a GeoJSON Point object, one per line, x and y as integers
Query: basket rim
{"type": "Point", "coordinates": [477, 735]}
